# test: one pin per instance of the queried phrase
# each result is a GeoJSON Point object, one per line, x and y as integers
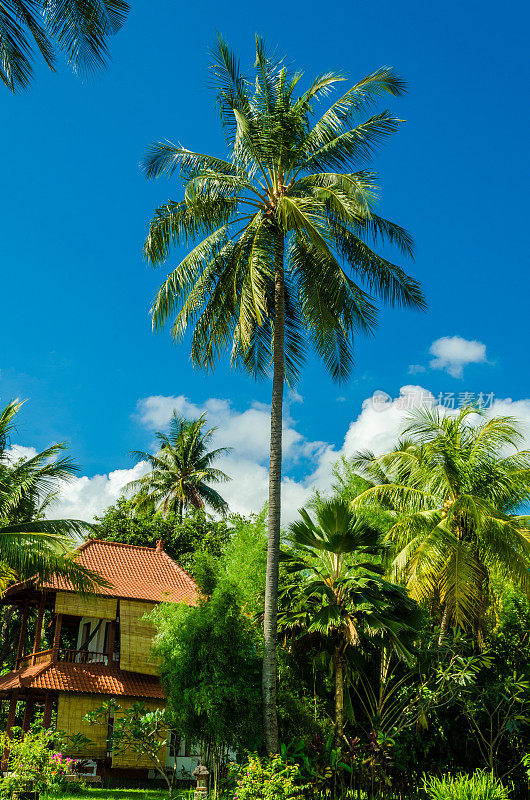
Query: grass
{"type": "Point", "coordinates": [100, 793]}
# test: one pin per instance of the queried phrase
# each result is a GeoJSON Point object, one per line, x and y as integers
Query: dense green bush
{"type": "Point", "coordinates": [481, 785]}
{"type": "Point", "coordinates": [267, 779]}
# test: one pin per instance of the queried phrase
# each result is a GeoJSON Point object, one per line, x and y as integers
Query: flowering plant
{"type": "Point", "coordinates": [267, 779]}
{"type": "Point", "coordinates": [34, 762]}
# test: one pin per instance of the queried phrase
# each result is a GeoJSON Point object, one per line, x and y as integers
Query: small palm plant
{"type": "Point", "coordinates": [338, 595]}
{"type": "Point", "coordinates": [181, 471]}
{"type": "Point", "coordinates": [453, 486]}
{"type": "Point", "coordinates": [30, 545]}
{"type": "Point", "coordinates": [280, 237]}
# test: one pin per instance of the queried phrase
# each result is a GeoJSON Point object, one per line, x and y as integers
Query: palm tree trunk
{"type": "Point", "coordinates": [446, 622]}
{"type": "Point", "coordinates": [339, 696]}
{"type": "Point", "coordinates": [270, 720]}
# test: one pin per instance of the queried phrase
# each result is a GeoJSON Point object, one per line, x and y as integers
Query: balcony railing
{"type": "Point", "coordinates": [86, 657]}
{"type": "Point", "coordinates": [66, 655]}
{"type": "Point", "coordinates": [38, 658]}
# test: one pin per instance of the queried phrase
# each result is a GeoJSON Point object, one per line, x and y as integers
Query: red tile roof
{"type": "Point", "coordinates": [138, 573]}
{"type": "Point", "coordinates": [89, 678]}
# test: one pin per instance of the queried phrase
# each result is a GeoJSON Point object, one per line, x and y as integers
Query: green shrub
{"type": "Point", "coordinates": [481, 785]}
{"type": "Point", "coordinates": [267, 779]}
{"type": "Point", "coordinates": [34, 762]}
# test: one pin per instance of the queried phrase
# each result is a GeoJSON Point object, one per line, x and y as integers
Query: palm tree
{"type": "Point", "coordinates": [342, 596]}
{"type": "Point", "coordinates": [281, 260]}
{"type": "Point", "coordinates": [31, 546]}
{"type": "Point", "coordinates": [453, 486]}
{"type": "Point", "coordinates": [77, 28]}
{"type": "Point", "coordinates": [181, 470]}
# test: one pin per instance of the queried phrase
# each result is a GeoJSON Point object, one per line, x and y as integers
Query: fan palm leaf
{"type": "Point", "coordinates": [338, 593]}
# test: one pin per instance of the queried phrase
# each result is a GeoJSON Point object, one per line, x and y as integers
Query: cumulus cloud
{"type": "Point", "coordinates": [18, 451]}
{"type": "Point", "coordinates": [247, 433]}
{"type": "Point", "coordinates": [85, 498]}
{"type": "Point", "coordinates": [453, 353]}
{"type": "Point", "coordinates": [376, 427]}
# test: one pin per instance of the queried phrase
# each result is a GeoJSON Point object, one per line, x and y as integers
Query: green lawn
{"type": "Point", "coordinates": [98, 793]}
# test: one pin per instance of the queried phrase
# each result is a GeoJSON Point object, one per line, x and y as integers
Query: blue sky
{"type": "Point", "coordinates": [74, 207]}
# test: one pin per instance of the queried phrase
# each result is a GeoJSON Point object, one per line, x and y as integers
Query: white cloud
{"type": "Point", "coordinates": [415, 368]}
{"type": "Point", "coordinates": [246, 432]}
{"type": "Point", "coordinates": [18, 451]}
{"type": "Point", "coordinates": [453, 353]}
{"type": "Point", "coordinates": [376, 427]}
{"type": "Point", "coordinates": [85, 498]}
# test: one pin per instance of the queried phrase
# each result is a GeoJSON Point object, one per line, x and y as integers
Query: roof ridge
{"type": "Point", "coordinates": [118, 544]}
{"type": "Point", "coordinates": [177, 566]}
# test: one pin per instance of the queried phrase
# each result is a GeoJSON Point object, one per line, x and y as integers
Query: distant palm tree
{"type": "Point", "coordinates": [181, 470]}
{"type": "Point", "coordinates": [281, 260]}
{"type": "Point", "coordinates": [454, 488]}
{"type": "Point", "coordinates": [77, 28]}
{"type": "Point", "coordinates": [31, 546]}
{"type": "Point", "coordinates": [338, 595]}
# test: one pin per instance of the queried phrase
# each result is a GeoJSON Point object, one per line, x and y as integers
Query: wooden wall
{"type": "Point", "coordinates": [133, 760]}
{"type": "Point", "coordinates": [136, 637]}
{"type": "Point", "coordinates": [89, 606]}
{"type": "Point", "coordinates": [71, 709]}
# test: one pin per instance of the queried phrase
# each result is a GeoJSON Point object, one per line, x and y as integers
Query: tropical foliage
{"type": "Point", "coordinates": [31, 545]}
{"type": "Point", "coordinates": [33, 763]}
{"type": "Point", "coordinates": [401, 594]}
{"type": "Point", "coordinates": [197, 533]}
{"type": "Point", "coordinates": [139, 730]}
{"type": "Point", "coordinates": [341, 595]}
{"type": "Point", "coordinates": [79, 29]}
{"type": "Point", "coordinates": [210, 667]}
{"type": "Point", "coordinates": [280, 240]}
{"type": "Point", "coordinates": [454, 484]}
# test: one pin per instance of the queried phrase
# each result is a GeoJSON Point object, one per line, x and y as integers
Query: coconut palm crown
{"type": "Point", "coordinates": [454, 486]}
{"type": "Point", "coordinates": [280, 238]}
{"type": "Point", "coordinates": [181, 470]}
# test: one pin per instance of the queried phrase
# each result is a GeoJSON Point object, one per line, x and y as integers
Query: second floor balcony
{"type": "Point", "coordinates": [69, 655]}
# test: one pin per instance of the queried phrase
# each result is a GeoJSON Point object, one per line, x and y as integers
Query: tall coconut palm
{"type": "Point", "coordinates": [454, 485]}
{"type": "Point", "coordinates": [77, 28]}
{"type": "Point", "coordinates": [280, 236]}
{"type": "Point", "coordinates": [31, 546]}
{"type": "Point", "coordinates": [341, 595]}
{"type": "Point", "coordinates": [181, 470]}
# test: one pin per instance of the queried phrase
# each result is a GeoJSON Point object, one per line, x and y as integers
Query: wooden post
{"type": "Point", "coordinates": [38, 629]}
{"type": "Point", "coordinates": [47, 718]}
{"type": "Point", "coordinates": [56, 638]}
{"type": "Point", "coordinates": [22, 636]}
{"type": "Point", "coordinates": [28, 713]}
{"type": "Point", "coordinates": [12, 712]}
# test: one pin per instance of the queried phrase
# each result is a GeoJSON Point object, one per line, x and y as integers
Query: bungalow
{"type": "Point", "coordinates": [101, 649]}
